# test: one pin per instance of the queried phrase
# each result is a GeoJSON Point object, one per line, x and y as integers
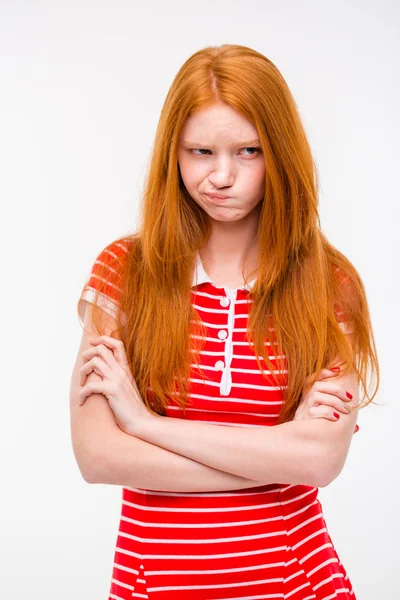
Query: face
{"type": "Point", "coordinates": [220, 153]}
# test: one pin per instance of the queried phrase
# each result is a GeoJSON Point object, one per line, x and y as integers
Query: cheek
{"type": "Point", "coordinates": [260, 173]}
{"type": "Point", "coordinates": [192, 174]}
{"type": "Point", "coordinates": [258, 179]}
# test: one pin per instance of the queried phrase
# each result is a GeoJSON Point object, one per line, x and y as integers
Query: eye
{"type": "Point", "coordinates": [258, 150]}
{"type": "Point", "coordinates": [201, 150]}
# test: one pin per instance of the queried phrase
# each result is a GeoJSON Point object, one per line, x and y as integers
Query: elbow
{"type": "Point", "coordinates": [326, 464]}
{"type": "Point", "coordinates": [87, 473]}
{"type": "Point", "coordinates": [327, 468]}
{"type": "Point", "coordinates": [93, 471]}
{"type": "Point", "coordinates": [325, 478]}
{"type": "Point", "coordinates": [89, 476]}
{"type": "Point", "coordinates": [88, 464]}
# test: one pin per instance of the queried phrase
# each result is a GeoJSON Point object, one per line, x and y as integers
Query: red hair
{"type": "Point", "coordinates": [305, 287]}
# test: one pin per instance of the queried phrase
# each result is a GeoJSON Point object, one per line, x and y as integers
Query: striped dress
{"type": "Point", "coordinates": [269, 541]}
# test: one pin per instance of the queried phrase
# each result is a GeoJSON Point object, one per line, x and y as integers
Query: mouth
{"type": "Point", "coordinates": [216, 197]}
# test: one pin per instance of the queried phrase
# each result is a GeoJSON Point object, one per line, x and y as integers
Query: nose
{"type": "Point", "coordinates": [223, 174]}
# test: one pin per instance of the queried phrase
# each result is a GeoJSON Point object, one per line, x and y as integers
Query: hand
{"type": "Point", "coordinates": [323, 398]}
{"type": "Point", "coordinates": [108, 359]}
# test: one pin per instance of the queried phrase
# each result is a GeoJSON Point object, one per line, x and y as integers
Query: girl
{"type": "Point", "coordinates": [224, 340]}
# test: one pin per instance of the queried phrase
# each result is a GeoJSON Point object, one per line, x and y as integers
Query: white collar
{"type": "Point", "coordinates": [200, 276]}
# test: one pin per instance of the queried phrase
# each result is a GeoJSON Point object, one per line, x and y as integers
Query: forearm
{"type": "Point", "coordinates": [131, 462]}
{"type": "Point", "coordinates": [292, 452]}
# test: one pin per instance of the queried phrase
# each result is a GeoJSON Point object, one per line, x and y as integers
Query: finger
{"type": "Point", "coordinates": [93, 387]}
{"type": "Point", "coordinates": [329, 400]}
{"type": "Point", "coordinates": [322, 375]}
{"type": "Point", "coordinates": [321, 412]}
{"type": "Point", "coordinates": [326, 373]}
{"type": "Point", "coordinates": [330, 387]}
{"type": "Point", "coordinates": [105, 353]}
{"type": "Point", "coordinates": [116, 345]}
{"type": "Point", "coordinates": [97, 365]}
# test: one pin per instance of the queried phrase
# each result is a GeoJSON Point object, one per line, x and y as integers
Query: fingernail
{"type": "Point", "coordinates": [335, 369]}
{"type": "Point", "coordinates": [335, 414]}
{"type": "Point", "coordinates": [349, 395]}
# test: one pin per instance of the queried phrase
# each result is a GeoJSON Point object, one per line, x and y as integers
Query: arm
{"type": "Point", "coordinates": [130, 462]}
{"type": "Point", "coordinates": [311, 451]}
{"type": "Point", "coordinates": [105, 454]}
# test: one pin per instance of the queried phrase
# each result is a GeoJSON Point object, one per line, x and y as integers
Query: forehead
{"type": "Point", "coordinates": [217, 122]}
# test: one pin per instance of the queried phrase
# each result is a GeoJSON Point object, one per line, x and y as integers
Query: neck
{"type": "Point", "coordinates": [231, 248]}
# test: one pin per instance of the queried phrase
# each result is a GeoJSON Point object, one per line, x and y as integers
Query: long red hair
{"type": "Point", "coordinates": [303, 283]}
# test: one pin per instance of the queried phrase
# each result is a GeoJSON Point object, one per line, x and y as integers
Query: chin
{"type": "Point", "coordinates": [226, 219]}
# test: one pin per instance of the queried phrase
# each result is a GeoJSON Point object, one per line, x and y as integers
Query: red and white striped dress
{"type": "Point", "coordinates": [266, 542]}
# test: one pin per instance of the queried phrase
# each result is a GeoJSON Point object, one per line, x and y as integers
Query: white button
{"type": "Point", "coordinates": [224, 301]}
{"type": "Point", "coordinates": [219, 365]}
{"type": "Point", "coordinates": [222, 334]}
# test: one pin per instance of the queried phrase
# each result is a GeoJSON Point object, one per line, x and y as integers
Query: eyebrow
{"type": "Point", "coordinates": [241, 144]}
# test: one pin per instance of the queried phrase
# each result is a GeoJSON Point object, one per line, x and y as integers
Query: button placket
{"type": "Point", "coordinates": [226, 379]}
{"type": "Point", "coordinates": [224, 301]}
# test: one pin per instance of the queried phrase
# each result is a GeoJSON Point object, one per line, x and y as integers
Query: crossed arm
{"type": "Point", "coordinates": [171, 454]}
{"type": "Point", "coordinates": [310, 451]}
{"type": "Point", "coordinates": [180, 455]}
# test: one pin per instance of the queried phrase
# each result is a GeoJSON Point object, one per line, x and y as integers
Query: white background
{"type": "Point", "coordinates": [82, 85]}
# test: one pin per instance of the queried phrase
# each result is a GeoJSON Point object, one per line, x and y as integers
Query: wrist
{"type": "Point", "coordinates": [142, 424]}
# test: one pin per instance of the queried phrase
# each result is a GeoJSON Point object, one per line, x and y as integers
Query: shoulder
{"type": "Point", "coordinates": [108, 266]}
{"type": "Point", "coordinates": [104, 283]}
{"type": "Point", "coordinates": [115, 251]}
